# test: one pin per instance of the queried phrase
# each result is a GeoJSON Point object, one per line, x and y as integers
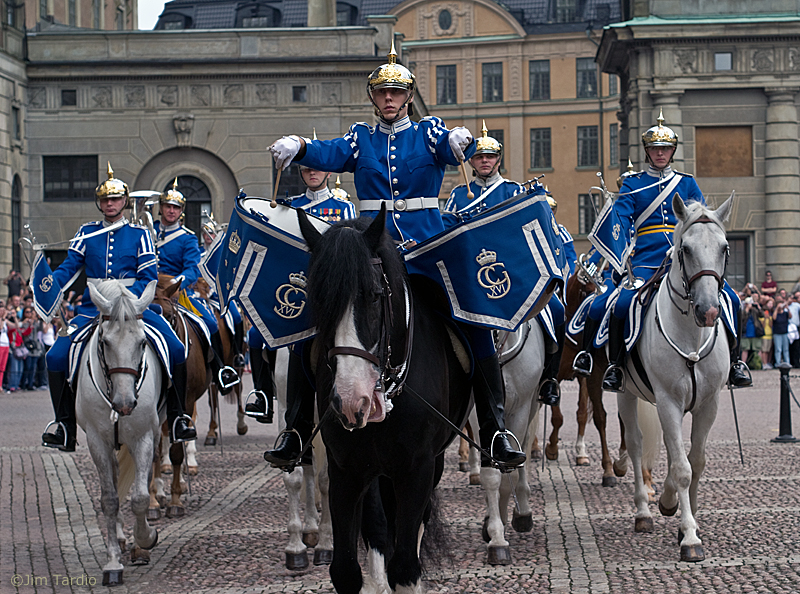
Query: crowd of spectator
{"type": "Point", "coordinates": [770, 322]}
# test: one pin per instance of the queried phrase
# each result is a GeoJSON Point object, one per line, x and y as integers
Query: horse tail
{"type": "Point", "coordinates": [436, 537]}
{"type": "Point", "coordinates": [651, 433]}
{"type": "Point", "coordinates": [232, 397]}
{"type": "Point", "coordinates": [127, 472]}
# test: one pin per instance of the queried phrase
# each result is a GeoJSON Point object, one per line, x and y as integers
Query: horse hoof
{"type": "Point", "coordinates": [681, 535]}
{"type": "Point", "coordinates": [123, 545]}
{"type": "Point", "coordinates": [499, 556]}
{"type": "Point", "coordinates": [485, 530]}
{"type": "Point", "coordinates": [667, 511]}
{"type": "Point", "coordinates": [151, 545]}
{"type": "Point", "coordinates": [112, 577]}
{"type": "Point", "coordinates": [609, 481]}
{"type": "Point", "coordinates": [692, 553]}
{"type": "Point", "coordinates": [620, 471]}
{"type": "Point", "coordinates": [210, 440]}
{"type": "Point", "coordinates": [166, 469]}
{"type": "Point", "coordinates": [296, 561]}
{"type": "Point", "coordinates": [175, 511]}
{"type": "Point", "coordinates": [162, 500]}
{"type": "Point", "coordinates": [311, 539]}
{"type": "Point", "coordinates": [241, 430]}
{"type": "Point", "coordinates": [463, 467]}
{"type": "Point", "coordinates": [323, 557]}
{"type": "Point", "coordinates": [153, 514]}
{"type": "Point", "coordinates": [523, 523]}
{"type": "Point", "coordinates": [139, 556]}
{"type": "Point", "coordinates": [582, 461]}
{"type": "Point", "coordinates": [551, 453]}
{"type": "Point", "coordinates": [536, 454]}
{"type": "Point", "coordinates": [474, 479]}
{"type": "Point", "coordinates": [192, 470]}
{"type": "Point", "coordinates": [643, 525]}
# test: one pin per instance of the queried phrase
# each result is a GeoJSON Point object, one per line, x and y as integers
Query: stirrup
{"type": "Point", "coordinates": [227, 386]}
{"type": "Point", "coordinates": [582, 371]}
{"type": "Point", "coordinates": [741, 366]}
{"type": "Point", "coordinates": [502, 467]}
{"type": "Point", "coordinates": [622, 383]}
{"type": "Point", "coordinates": [173, 437]}
{"type": "Point", "coordinates": [55, 445]}
{"type": "Point", "coordinates": [287, 465]}
{"type": "Point", "coordinates": [255, 415]}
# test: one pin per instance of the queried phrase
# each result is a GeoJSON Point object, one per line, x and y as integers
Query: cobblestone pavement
{"type": "Point", "coordinates": [232, 537]}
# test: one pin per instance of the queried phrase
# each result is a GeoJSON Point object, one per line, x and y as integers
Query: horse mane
{"type": "Point", "coordinates": [122, 298]}
{"type": "Point", "coordinates": [694, 211]}
{"type": "Point", "coordinates": [341, 268]}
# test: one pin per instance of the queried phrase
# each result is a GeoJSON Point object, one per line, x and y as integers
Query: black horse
{"type": "Point", "coordinates": [380, 335]}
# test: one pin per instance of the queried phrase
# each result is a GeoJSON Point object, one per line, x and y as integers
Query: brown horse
{"type": "Point", "coordinates": [227, 355]}
{"type": "Point", "coordinates": [197, 380]}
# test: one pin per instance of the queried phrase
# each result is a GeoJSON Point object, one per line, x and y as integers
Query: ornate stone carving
{"type": "Point", "coordinates": [686, 60]}
{"type": "Point", "coordinates": [267, 94]}
{"type": "Point", "coordinates": [331, 93]}
{"type": "Point", "coordinates": [168, 94]}
{"type": "Point", "coordinates": [459, 18]}
{"type": "Point", "coordinates": [469, 82]}
{"type": "Point", "coordinates": [102, 97]}
{"type": "Point", "coordinates": [233, 95]}
{"type": "Point", "coordinates": [200, 96]}
{"type": "Point", "coordinates": [763, 60]}
{"type": "Point", "coordinates": [134, 96]}
{"type": "Point", "coordinates": [183, 124]}
{"type": "Point", "coordinates": [794, 59]}
{"type": "Point", "coordinates": [516, 78]}
{"type": "Point", "coordinates": [37, 97]}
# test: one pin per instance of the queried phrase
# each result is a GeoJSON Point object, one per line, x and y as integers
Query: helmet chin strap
{"type": "Point", "coordinates": [378, 110]}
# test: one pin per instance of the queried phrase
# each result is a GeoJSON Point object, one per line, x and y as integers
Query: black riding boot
{"type": "Point", "coordinates": [177, 420]}
{"type": "Point", "coordinates": [739, 376]}
{"type": "Point", "coordinates": [238, 344]}
{"type": "Point", "coordinates": [263, 386]}
{"type": "Point", "coordinates": [614, 378]}
{"type": "Point", "coordinates": [549, 390]}
{"type": "Point", "coordinates": [225, 377]}
{"type": "Point", "coordinates": [64, 407]}
{"type": "Point", "coordinates": [299, 417]}
{"type": "Point", "coordinates": [487, 386]}
{"type": "Point", "coordinates": [583, 362]}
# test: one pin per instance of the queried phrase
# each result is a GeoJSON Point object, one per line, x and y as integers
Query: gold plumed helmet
{"type": "Point", "coordinates": [660, 135]}
{"type": "Point", "coordinates": [173, 196]}
{"type": "Point", "coordinates": [112, 188]}
{"type": "Point", "coordinates": [629, 172]}
{"type": "Point", "coordinates": [313, 137]}
{"type": "Point", "coordinates": [391, 76]}
{"type": "Point", "coordinates": [488, 145]}
{"type": "Point", "coordinates": [210, 226]}
{"type": "Point", "coordinates": [338, 192]}
{"type": "Point", "coordinates": [551, 201]}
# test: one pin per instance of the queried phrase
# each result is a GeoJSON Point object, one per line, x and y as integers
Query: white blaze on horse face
{"type": "Point", "coordinates": [705, 246]}
{"type": "Point", "coordinates": [356, 378]}
{"type": "Point", "coordinates": [123, 349]}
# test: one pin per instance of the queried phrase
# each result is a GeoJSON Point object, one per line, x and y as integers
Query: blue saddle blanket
{"type": "Point", "coordinates": [497, 267]}
{"type": "Point", "coordinates": [578, 319]}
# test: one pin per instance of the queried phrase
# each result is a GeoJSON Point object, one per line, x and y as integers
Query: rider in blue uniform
{"type": "Point", "coordinates": [178, 256]}
{"type": "Point", "coordinates": [120, 250]}
{"type": "Point", "coordinates": [331, 206]}
{"type": "Point", "coordinates": [489, 188]}
{"type": "Point", "coordinates": [644, 207]}
{"type": "Point", "coordinates": [401, 164]}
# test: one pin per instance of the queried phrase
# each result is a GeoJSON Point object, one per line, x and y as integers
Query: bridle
{"type": "Point", "coordinates": [687, 281]}
{"type": "Point", "coordinates": [391, 378]}
{"type": "Point", "coordinates": [109, 371]}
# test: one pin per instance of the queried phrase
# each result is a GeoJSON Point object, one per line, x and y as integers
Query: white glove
{"type": "Point", "coordinates": [460, 138]}
{"type": "Point", "coordinates": [284, 150]}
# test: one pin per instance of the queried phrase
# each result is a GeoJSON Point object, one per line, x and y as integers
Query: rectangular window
{"type": "Point", "coordinates": [613, 84]}
{"type": "Point", "coordinates": [299, 94]}
{"type": "Point", "coordinates": [42, 9]}
{"type": "Point", "coordinates": [724, 151]}
{"type": "Point", "coordinates": [492, 82]}
{"type": "Point", "coordinates": [738, 271]}
{"type": "Point", "coordinates": [565, 11]}
{"type": "Point", "coordinates": [446, 85]}
{"type": "Point", "coordinates": [586, 73]}
{"type": "Point", "coordinates": [586, 214]}
{"type": "Point", "coordinates": [73, 19]}
{"type": "Point", "coordinates": [587, 146]}
{"type": "Point", "coordinates": [69, 98]}
{"type": "Point", "coordinates": [11, 14]}
{"type": "Point", "coordinates": [16, 123]}
{"type": "Point", "coordinates": [540, 79]}
{"type": "Point", "coordinates": [499, 136]}
{"type": "Point", "coordinates": [540, 148]}
{"type": "Point", "coordinates": [723, 61]}
{"type": "Point", "coordinates": [120, 19]}
{"type": "Point", "coordinates": [96, 14]}
{"type": "Point", "coordinates": [613, 145]}
{"type": "Point", "coordinates": [69, 178]}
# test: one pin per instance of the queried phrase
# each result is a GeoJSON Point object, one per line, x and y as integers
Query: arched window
{"type": "Point", "coordinates": [198, 199]}
{"type": "Point", "coordinates": [16, 222]}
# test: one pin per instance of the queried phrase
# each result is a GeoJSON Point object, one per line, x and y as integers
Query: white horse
{"type": "Point", "coordinates": [684, 350]}
{"type": "Point", "coordinates": [307, 484]}
{"type": "Point", "coordinates": [522, 361]}
{"type": "Point", "coordinates": [119, 383]}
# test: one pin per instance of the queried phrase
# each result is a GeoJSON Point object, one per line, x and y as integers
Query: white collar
{"type": "Point", "coordinates": [319, 195]}
{"type": "Point", "coordinates": [492, 179]}
{"type": "Point", "coordinates": [659, 173]}
{"type": "Point", "coordinates": [396, 126]}
{"type": "Point", "coordinates": [173, 227]}
{"type": "Point", "coordinates": [121, 221]}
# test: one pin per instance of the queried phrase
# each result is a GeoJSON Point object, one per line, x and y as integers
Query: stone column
{"type": "Point", "coordinates": [321, 13]}
{"type": "Point", "coordinates": [670, 104]}
{"type": "Point", "coordinates": [782, 187]}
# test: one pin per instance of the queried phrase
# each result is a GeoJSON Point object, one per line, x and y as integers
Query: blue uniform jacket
{"type": "Point", "coordinates": [569, 248]}
{"type": "Point", "coordinates": [178, 253]}
{"type": "Point", "coordinates": [392, 163]}
{"type": "Point", "coordinates": [458, 197]}
{"type": "Point", "coordinates": [325, 205]}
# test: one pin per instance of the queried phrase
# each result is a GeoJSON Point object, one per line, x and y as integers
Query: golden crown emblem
{"type": "Point", "coordinates": [235, 242]}
{"type": "Point", "coordinates": [486, 257]}
{"type": "Point", "coordinates": [298, 279]}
